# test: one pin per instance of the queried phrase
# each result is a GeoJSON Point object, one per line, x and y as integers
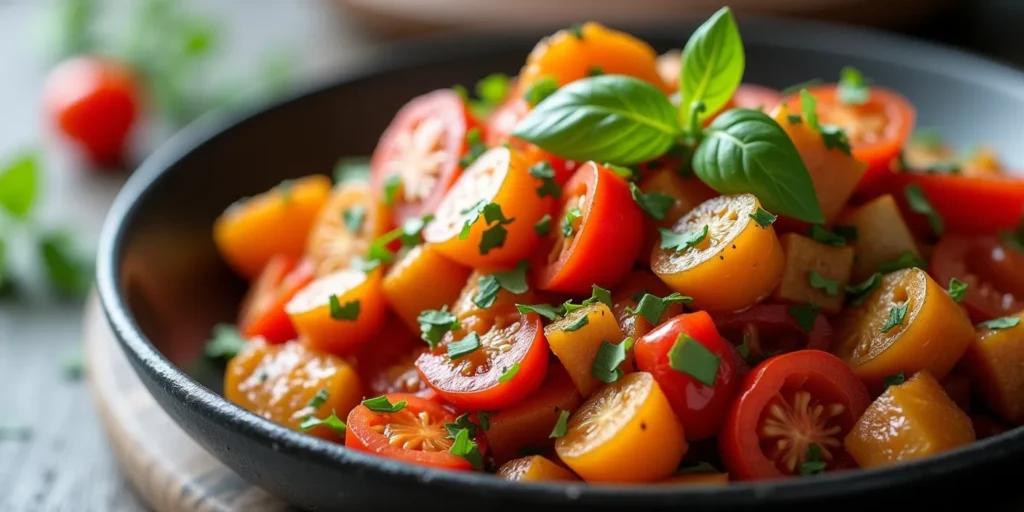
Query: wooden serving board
{"type": "Point", "coordinates": [169, 470]}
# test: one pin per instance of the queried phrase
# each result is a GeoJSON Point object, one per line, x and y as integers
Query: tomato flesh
{"type": "Point", "coordinates": [263, 314]}
{"type": "Point", "coordinates": [701, 408]}
{"type": "Point", "coordinates": [770, 329]}
{"type": "Point", "coordinates": [785, 404]}
{"type": "Point", "coordinates": [508, 342]}
{"type": "Point", "coordinates": [994, 274]}
{"type": "Point", "coordinates": [599, 245]}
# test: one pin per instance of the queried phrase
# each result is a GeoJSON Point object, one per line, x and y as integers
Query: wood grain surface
{"type": "Point", "coordinates": [170, 471]}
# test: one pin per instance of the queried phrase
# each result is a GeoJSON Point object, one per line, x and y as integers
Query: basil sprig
{"type": "Point", "coordinates": [621, 120]}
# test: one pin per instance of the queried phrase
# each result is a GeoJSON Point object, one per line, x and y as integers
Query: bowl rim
{"type": "Point", "coordinates": [836, 40]}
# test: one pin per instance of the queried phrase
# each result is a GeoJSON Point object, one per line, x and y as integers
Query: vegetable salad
{"type": "Point", "coordinates": [624, 267]}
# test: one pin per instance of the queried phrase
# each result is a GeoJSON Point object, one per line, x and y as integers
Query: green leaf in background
{"type": "Point", "coordinates": [4, 272]}
{"type": "Point", "coordinates": [67, 272]}
{"type": "Point", "coordinates": [355, 168]}
{"type": "Point", "coordinates": [608, 118]}
{"type": "Point", "coordinates": [19, 185]}
{"type": "Point", "coordinates": [74, 25]}
{"type": "Point", "coordinates": [746, 151]}
{"type": "Point", "coordinates": [712, 65]}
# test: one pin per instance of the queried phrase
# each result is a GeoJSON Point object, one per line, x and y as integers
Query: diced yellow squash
{"type": "Point", "coordinates": [882, 236]}
{"type": "Point", "coordinates": [575, 343]}
{"type": "Point", "coordinates": [814, 273]}
{"type": "Point", "coordinates": [995, 361]}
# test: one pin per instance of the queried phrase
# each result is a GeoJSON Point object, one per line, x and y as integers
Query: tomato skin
{"type": "Point", "coordinates": [482, 390]}
{"type": "Point", "coordinates": [263, 311]}
{"type": "Point", "coordinates": [449, 120]}
{"type": "Point", "coordinates": [95, 102]}
{"type": "Point", "coordinates": [820, 373]}
{"type": "Point", "coordinates": [994, 274]}
{"type": "Point", "coordinates": [700, 408]}
{"type": "Point", "coordinates": [606, 242]}
{"type": "Point", "coordinates": [754, 323]}
{"type": "Point", "coordinates": [878, 152]}
{"type": "Point", "coordinates": [361, 435]}
{"type": "Point", "coordinates": [1002, 197]}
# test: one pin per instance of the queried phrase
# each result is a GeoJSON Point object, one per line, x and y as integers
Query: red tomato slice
{"type": "Point", "coordinates": [262, 312]}
{"type": "Point", "coordinates": [502, 122]}
{"type": "Point", "coordinates": [387, 363]}
{"type": "Point", "coordinates": [769, 329]}
{"type": "Point", "coordinates": [877, 129]}
{"type": "Point", "coordinates": [786, 404]}
{"type": "Point", "coordinates": [604, 238]}
{"type": "Point", "coordinates": [700, 407]}
{"type": "Point", "coordinates": [422, 146]}
{"type": "Point", "coordinates": [416, 434]}
{"type": "Point", "coordinates": [510, 345]}
{"type": "Point", "coordinates": [994, 274]}
{"type": "Point", "coordinates": [970, 205]}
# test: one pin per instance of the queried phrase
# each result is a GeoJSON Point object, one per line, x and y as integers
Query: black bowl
{"type": "Point", "coordinates": [163, 286]}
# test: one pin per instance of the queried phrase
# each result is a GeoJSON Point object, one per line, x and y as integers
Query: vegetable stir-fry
{"type": "Point", "coordinates": [624, 267]}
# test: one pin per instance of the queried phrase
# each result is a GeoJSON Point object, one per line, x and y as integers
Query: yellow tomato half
{"type": "Point", "coordinates": [421, 280]}
{"type": "Point", "coordinates": [339, 312]}
{"type": "Point", "coordinates": [345, 227]}
{"type": "Point", "coordinates": [535, 468]}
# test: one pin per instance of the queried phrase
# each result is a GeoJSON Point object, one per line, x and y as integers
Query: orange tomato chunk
{"type": "Point", "coordinates": [831, 264]}
{"type": "Point", "coordinates": [283, 383]}
{"type": "Point", "coordinates": [626, 432]}
{"type": "Point", "coordinates": [528, 424]}
{"type": "Point", "coordinates": [249, 233]}
{"type": "Point", "coordinates": [535, 468]}
{"type": "Point", "coordinates": [346, 226]}
{"type": "Point", "coordinates": [421, 280]}
{"type": "Point", "coordinates": [339, 312]}
{"type": "Point", "coordinates": [575, 342]}
{"type": "Point", "coordinates": [882, 236]}
{"type": "Point", "coordinates": [995, 360]}
{"type": "Point", "coordinates": [909, 421]}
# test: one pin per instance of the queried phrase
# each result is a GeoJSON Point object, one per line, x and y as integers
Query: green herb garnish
{"type": "Point", "coordinates": [347, 312]}
{"type": "Point", "coordinates": [652, 307]}
{"type": "Point", "coordinates": [1005, 322]}
{"type": "Point", "coordinates": [813, 465]}
{"type": "Point", "coordinates": [488, 286]}
{"type": "Point", "coordinates": [382, 404]}
{"type": "Point", "coordinates": [571, 216]}
{"type": "Point", "coordinates": [508, 374]}
{"type": "Point", "coordinates": [670, 240]}
{"type": "Point", "coordinates": [546, 174]}
{"type": "Point", "coordinates": [805, 316]}
{"type": "Point", "coordinates": [543, 226]}
{"type": "Point", "coordinates": [894, 380]}
{"type": "Point", "coordinates": [609, 357]}
{"type": "Point", "coordinates": [860, 292]}
{"type": "Point", "coordinates": [354, 218]}
{"type": "Point", "coordinates": [763, 218]}
{"type": "Point", "coordinates": [541, 90]}
{"type": "Point", "coordinates": [906, 260]}
{"type": "Point", "coordinates": [333, 422]}
{"type": "Point", "coordinates": [819, 282]}
{"type": "Point", "coordinates": [897, 314]}
{"type": "Point", "coordinates": [853, 88]}
{"type": "Point", "coordinates": [464, 347]}
{"type": "Point", "coordinates": [654, 204]}
{"type": "Point", "coordinates": [391, 186]}
{"type": "Point", "coordinates": [957, 289]}
{"type": "Point", "coordinates": [434, 324]}
{"type": "Point", "coordinates": [226, 342]}
{"type": "Point", "coordinates": [561, 425]}
{"type": "Point", "coordinates": [691, 357]}
{"type": "Point", "coordinates": [820, 234]}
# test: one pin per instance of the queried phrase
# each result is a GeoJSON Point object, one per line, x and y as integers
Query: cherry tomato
{"type": "Point", "coordinates": [597, 236]}
{"type": "Point", "coordinates": [422, 147]}
{"type": "Point", "coordinates": [415, 434]}
{"type": "Point", "coordinates": [786, 404]}
{"type": "Point", "coordinates": [993, 272]}
{"type": "Point", "coordinates": [262, 312]}
{"type": "Point", "coordinates": [339, 312]}
{"type": "Point", "coordinates": [345, 227]}
{"type": "Point", "coordinates": [1001, 195]}
{"type": "Point", "coordinates": [386, 363]}
{"type": "Point", "coordinates": [509, 363]}
{"type": "Point", "coordinates": [701, 408]}
{"type": "Point", "coordinates": [770, 329]}
{"type": "Point", "coordinates": [94, 102]}
{"type": "Point", "coordinates": [877, 129]}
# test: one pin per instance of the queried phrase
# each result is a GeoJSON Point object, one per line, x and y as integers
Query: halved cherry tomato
{"type": "Point", "coordinates": [280, 383]}
{"type": "Point", "coordinates": [993, 272]}
{"type": "Point", "coordinates": [1000, 200]}
{"type": "Point", "coordinates": [908, 324]}
{"type": "Point", "coordinates": [770, 329]}
{"type": "Point", "coordinates": [701, 408]}
{"type": "Point", "coordinates": [509, 363]}
{"type": "Point", "coordinates": [465, 307]}
{"type": "Point", "coordinates": [345, 227]}
{"type": "Point", "coordinates": [568, 55]}
{"type": "Point", "coordinates": [422, 280]}
{"type": "Point", "coordinates": [415, 434]}
{"type": "Point", "coordinates": [626, 432]}
{"type": "Point", "coordinates": [877, 129]}
{"type": "Point", "coordinates": [94, 102]}
{"type": "Point", "coordinates": [734, 266]}
{"type": "Point", "coordinates": [387, 362]}
{"type": "Point", "coordinates": [251, 232]}
{"type": "Point", "coordinates": [597, 234]}
{"type": "Point", "coordinates": [786, 404]}
{"type": "Point", "coordinates": [499, 176]}
{"type": "Point", "coordinates": [422, 147]}
{"type": "Point", "coordinates": [262, 312]}
{"type": "Point", "coordinates": [688, 193]}
{"type": "Point", "coordinates": [341, 328]}
{"type": "Point", "coordinates": [628, 295]}
{"type": "Point", "coordinates": [535, 468]}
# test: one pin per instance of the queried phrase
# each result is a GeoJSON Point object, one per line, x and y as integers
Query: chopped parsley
{"type": "Point", "coordinates": [434, 324]}
{"type": "Point", "coordinates": [861, 291]}
{"type": "Point", "coordinates": [348, 311]}
{"type": "Point", "coordinates": [957, 289]}
{"type": "Point", "coordinates": [609, 357]}
{"type": "Point", "coordinates": [763, 217]}
{"type": "Point", "coordinates": [847, 232]}
{"type": "Point", "coordinates": [576, 29]}
{"type": "Point", "coordinates": [691, 357]}
{"type": "Point", "coordinates": [918, 203]}
{"type": "Point", "coordinates": [670, 240]}
{"type": "Point", "coordinates": [853, 88]}
{"type": "Point", "coordinates": [1005, 322]}
{"type": "Point", "coordinates": [467, 449]}
{"type": "Point", "coordinates": [794, 119]}
{"type": "Point", "coordinates": [654, 204]}
{"type": "Point", "coordinates": [822, 235]}
{"type": "Point", "coordinates": [561, 425]}
{"type": "Point", "coordinates": [894, 380]}
{"type": "Point", "coordinates": [484, 418]}
{"type": "Point", "coordinates": [461, 422]}
{"type": "Point", "coordinates": [474, 147]}
{"type": "Point", "coordinates": [906, 260]}
{"type": "Point", "coordinates": [464, 347]}
{"type": "Point", "coordinates": [622, 171]}
{"type": "Point", "coordinates": [488, 286]}
{"type": "Point", "coordinates": [540, 90]}
{"type": "Point", "coordinates": [805, 316]}
{"type": "Point", "coordinates": [494, 233]}
{"type": "Point", "coordinates": [546, 174]}
{"type": "Point", "coordinates": [812, 465]}
{"type": "Point", "coordinates": [820, 282]}
{"type": "Point", "coordinates": [382, 404]}
{"type": "Point", "coordinates": [652, 307]}
{"type": "Point", "coordinates": [897, 314]}
{"type": "Point", "coordinates": [595, 71]}
{"type": "Point", "coordinates": [490, 91]}
{"type": "Point", "coordinates": [319, 398]}
{"type": "Point", "coordinates": [285, 189]}
{"type": "Point", "coordinates": [576, 324]}
{"type": "Point", "coordinates": [543, 226]}
{"type": "Point", "coordinates": [226, 342]}
{"type": "Point", "coordinates": [832, 136]}
{"type": "Point", "coordinates": [332, 421]}
{"type": "Point", "coordinates": [354, 218]}
{"type": "Point", "coordinates": [508, 374]}
{"type": "Point", "coordinates": [545, 310]}
{"type": "Point", "coordinates": [571, 216]}
{"type": "Point", "coordinates": [391, 186]}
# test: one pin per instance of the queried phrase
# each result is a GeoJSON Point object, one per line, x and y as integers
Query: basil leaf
{"type": "Point", "coordinates": [763, 218]}
{"type": "Point", "coordinates": [712, 65]}
{"type": "Point", "coordinates": [19, 184]}
{"type": "Point", "coordinates": [746, 151]}
{"type": "Point", "coordinates": [608, 118]}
